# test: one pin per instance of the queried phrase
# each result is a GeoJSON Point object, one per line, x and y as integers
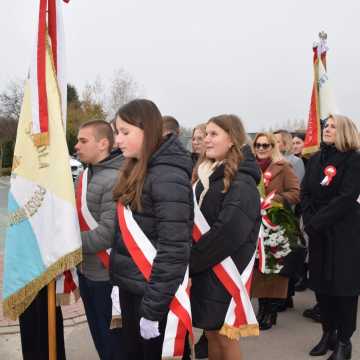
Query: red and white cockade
{"type": "Point", "coordinates": [330, 172]}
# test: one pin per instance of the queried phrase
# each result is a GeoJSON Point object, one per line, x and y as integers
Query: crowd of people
{"type": "Point", "coordinates": [144, 194]}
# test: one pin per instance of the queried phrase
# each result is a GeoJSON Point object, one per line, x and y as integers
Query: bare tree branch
{"type": "Point", "coordinates": [11, 100]}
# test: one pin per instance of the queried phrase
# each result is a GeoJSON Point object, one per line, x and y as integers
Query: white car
{"type": "Point", "coordinates": [76, 168]}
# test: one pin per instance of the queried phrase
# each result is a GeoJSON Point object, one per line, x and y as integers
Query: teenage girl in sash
{"type": "Point", "coordinates": [226, 192]}
{"type": "Point", "coordinates": [150, 256]}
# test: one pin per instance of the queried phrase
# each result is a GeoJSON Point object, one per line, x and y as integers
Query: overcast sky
{"type": "Point", "coordinates": [199, 58]}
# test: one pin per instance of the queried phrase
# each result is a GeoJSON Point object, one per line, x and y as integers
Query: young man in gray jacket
{"type": "Point", "coordinates": [97, 212]}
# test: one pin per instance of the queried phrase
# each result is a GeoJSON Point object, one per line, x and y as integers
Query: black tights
{"type": "Point", "coordinates": [338, 313]}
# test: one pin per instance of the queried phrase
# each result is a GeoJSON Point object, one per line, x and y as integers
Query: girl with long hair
{"type": "Point", "coordinates": [152, 245]}
{"type": "Point", "coordinates": [226, 195]}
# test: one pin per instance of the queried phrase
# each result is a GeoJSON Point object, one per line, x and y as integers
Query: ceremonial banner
{"type": "Point", "coordinates": [322, 103]}
{"type": "Point", "coordinates": [43, 236]}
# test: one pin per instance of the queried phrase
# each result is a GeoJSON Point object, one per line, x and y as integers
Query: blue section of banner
{"type": "Point", "coordinates": [22, 258]}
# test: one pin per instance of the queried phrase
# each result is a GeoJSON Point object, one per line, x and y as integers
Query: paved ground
{"type": "Point", "coordinates": [290, 339]}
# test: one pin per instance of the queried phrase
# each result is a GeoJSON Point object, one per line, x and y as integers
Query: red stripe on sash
{"type": "Point", "coordinates": [69, 284]}
{"type": "Point", "coordinates": [142, 263]}
{"type": "Point", "coordinates": [233, 290]}
{"type": "Point", "coordinates": [83, 225]}
{"type": "Point", "coordinates": [52, 20]}
{"type": "Point", "coordinates": [102, 255]}
{"type": "Point", "coordinates": [184, 324]}
{"type": "Point", "coordinates": [222, 274]}
{"type": "Point", "coordinates": [41, 68]}
{"type": "Point", "coordinates": [136, 254]}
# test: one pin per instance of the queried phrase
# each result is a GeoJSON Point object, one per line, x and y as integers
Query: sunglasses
{"type": "Point", "coordinates": [264, 146]}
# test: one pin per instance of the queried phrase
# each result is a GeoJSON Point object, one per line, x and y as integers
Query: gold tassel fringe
{"type": "Point", "coordinates": [116, 322]}
{"type": "Point", "coordinates": [235, 333]}
{"type": "Point", "coordinates": [16, 303]}
{"type": "Point", "coordinates": [68, 299]}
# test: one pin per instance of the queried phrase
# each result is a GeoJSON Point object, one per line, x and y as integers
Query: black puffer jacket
{"type": "Point", "coordinates": [166, 219]}
{"type": "Point", "coordinates": [234, 219]}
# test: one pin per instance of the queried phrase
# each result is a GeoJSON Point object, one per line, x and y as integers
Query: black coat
{"type": "Point", "coordinates": [234, 219]}
{"type": "Point", "coordinates": [167, 220]}
{"type": "Point", "coordinates": [331, 217]}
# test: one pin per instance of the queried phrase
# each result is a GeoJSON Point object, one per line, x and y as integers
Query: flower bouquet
{"type": "Point", "coordinates": [279, 235]}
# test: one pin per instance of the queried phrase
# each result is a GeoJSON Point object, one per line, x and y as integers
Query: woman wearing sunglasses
{"type": "Point", "coordinates": [278, 176]}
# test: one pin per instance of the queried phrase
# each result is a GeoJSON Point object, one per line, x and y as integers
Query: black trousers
{"type": "Point", "coordinates": [34, 330]}
{"type": "Point", "coordinates": [137, 347]}
{"type": "Point", "coordinates": [96, 296]}
{"type": "Point", "coordinates": [338, 313]}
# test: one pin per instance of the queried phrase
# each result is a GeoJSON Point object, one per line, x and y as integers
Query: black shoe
{"type": "Point", "coordinates": [313, 313]}
{"type": "Point", "coordinates": [268, 320]}
{"type": "Point", "coordinates": [201, 347]}
{"type": "Point", "coordinates": [342, 351]}
{"type": "Point", "coordinates": [327, 342]}
{"type": "Point", "coordinates": [261, 312]}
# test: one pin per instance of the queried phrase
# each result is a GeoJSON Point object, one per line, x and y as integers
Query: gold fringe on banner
{"type": "Point", "coordinates": [17, 303]}
{"type": "Point", "coordinates": [41, 139]}
{"type": "Point", "coordinates": [235, 333]}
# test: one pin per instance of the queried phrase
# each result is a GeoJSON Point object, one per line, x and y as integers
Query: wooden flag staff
{"type": "Point", "coordinates": [51, 320]}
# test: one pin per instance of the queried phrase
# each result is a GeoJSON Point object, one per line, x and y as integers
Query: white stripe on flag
{"type": "Point", "coordinates": [61, 63]}
{"type": "Point", "coordinates": [34, 93]}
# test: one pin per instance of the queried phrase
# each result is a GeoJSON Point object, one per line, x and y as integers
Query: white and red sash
{"type": "Point", "coordinates": [66, 284]}
{"type": "Point", "coordinates": [87, 222]}
{"type": "Point", "coordinates": [143, 253]}
{"type": "Point", "coordinates": [240, 319]}
{"type": "Point", "coordinates": [265, 221]}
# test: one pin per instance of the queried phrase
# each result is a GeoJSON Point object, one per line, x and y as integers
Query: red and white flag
{"type": "Point", "coordinates": [322, 103]}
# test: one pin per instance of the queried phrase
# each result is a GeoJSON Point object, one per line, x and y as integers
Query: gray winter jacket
{"type": "Point", "coordinates": [297, 164]}
{"type": "Point", "coordinates": [101, 180]}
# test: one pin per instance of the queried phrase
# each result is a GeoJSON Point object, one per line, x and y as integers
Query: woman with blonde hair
{"type": "Point", "coordinates": [226, 196]}
{"type": "Point", "coordinates": [278, 176]}
{"type": "Point", "coordinates": [331, 213]}
{"type": "Point", "coordinates": [197, 142]}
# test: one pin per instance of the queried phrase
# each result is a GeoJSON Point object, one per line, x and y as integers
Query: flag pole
{"type": "Point", "coordinates": [51, 320]}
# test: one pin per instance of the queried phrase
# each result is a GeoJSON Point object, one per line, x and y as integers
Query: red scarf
{"type": "Point", "coordinates": [263, 163]}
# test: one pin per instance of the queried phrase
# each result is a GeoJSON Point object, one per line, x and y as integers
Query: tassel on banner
{"type": "Point", "coordinates": [234, 333]}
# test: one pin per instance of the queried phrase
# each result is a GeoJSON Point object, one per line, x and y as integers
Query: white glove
{"type": "Point", "coordinates": [149, 329]}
